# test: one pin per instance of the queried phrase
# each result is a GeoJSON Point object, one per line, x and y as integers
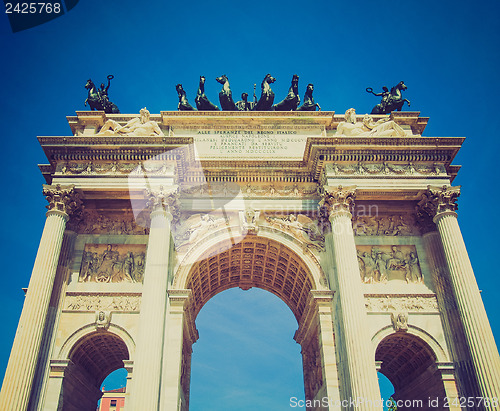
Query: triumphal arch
{"type": "Point", "coordinates": [350, 220]}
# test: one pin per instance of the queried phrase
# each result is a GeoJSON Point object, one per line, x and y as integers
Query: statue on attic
{"type": "Point", "coordinates": [391, 100]}
{"type": "Point", "coordinates": [98, 98]}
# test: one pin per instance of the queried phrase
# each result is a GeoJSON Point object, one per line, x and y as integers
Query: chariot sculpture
{"type": "Point", "coordinates": [98, 98]}
{"type": "Point", "coordinates": [391, 100]}
{"type": "Point", "coordinates": [264, 103]}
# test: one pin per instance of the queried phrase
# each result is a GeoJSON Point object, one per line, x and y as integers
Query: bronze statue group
{"type": "Point", "coordinates": [391, 100]}
{"type": "Point", "coordinates": [264, 103]}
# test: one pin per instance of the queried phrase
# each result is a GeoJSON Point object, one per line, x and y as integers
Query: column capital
{"type": "Point", "coordinates": [435, 202]}
{"type": "Point", "coordinates": [163, 199]}
{"type": "Point", "coordinates": [338, 200]}
{"type": "Point", "coordinates": [63, 199]}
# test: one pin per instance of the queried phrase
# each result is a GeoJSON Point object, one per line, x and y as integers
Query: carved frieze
{"type": "Point", "coordinates": [386, 169]}
{"type": "Point", "coordinates": [94, 222]}
{"type": "Point", "coordinates": [301, 228]}
{"type": "Point", "coordinates": [396, 303]}
{"type": "Point", "coordinates": [382, 263]}
{"type": "Point", "coordinates": [113, 263]}
{"type": "Point", "coordinates": [225, 189]}
{"type": "Point", "coordinates": [114, 168]}
{"type": "Point", "coordinates": [385, 225]}
{"type": "Point", "coordinates": [102, 302]}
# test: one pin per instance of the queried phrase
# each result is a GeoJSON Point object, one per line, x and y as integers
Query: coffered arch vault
{"type": "Point", "coordinates": [254, 261]}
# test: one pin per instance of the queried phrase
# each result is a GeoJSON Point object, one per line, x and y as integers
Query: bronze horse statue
{"type": "Point", "coordinates": [201, 100]}
{"type": "Point", "coordinates": [292, 100]}
{"type": "Point", "coordinates": [183, 102]}
{"type": "Point", "coordinates": [225, 95]}
{"type": "Point", "coordinates": [98, 99]}
{"type": "Point", "coordinates": [266, 100]}
{"type": "Point", "coordinates": [391, 101]}
{"type": "Point", "coordinates": [309, 104]}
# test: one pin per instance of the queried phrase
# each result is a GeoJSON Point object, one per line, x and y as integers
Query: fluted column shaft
{"type": "Point", "coordinates": [357, 346]}
{"type": "Point", "coordinates": [145, 391]}
{"type": "Point", "coordinates": [452, 326]}
{"type": "Point", "coordinates": [477, 329]}
{"type": "Point", "coordinates": [18, 380]}
{"type": "Point", "coordinates": [24, 355]}
{"type": "Point", "coordinates": [53, 315]}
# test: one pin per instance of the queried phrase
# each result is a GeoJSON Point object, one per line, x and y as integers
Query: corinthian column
{"type": "Point", "coordinates": [362, 385]}
{"type": "Point", "coordinates": [148, 358]}
{"type": "Point", "coordinates": [440, 203]}
{"type": "Point", "coordinates": [18, 380]}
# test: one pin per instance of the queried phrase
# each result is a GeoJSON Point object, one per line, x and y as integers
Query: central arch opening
{"type": "Point", "coordinates": [263, 266]}
{"type": "Point", "coordinates": [246, 358]}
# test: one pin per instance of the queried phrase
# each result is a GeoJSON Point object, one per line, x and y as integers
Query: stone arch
{"type": "Point", "coordinates": [436, 348]}
{"type": "Point", "coordinates": [255, 261]}
{"type": "Point", "coordinates": [411, 365]}
{"type": "Point", "coordinates": [267, 261]}
{"type": "Point", "coordinates": [222, 241]}
{"type": "Point", "coordinates": [89, 329]}
{"type": "Point", "coordinates": [90, 356]}
{"type": "Point", "coordinates": [99, 353]}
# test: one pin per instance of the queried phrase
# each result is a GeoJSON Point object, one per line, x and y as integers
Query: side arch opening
{"type": "Point", "coordinates": [92, 358]}
{"type": "Point", "coordinates": [411, 366]}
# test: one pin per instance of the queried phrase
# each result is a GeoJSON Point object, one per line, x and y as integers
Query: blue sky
{"type": "Point", "coordinates": [447, 52]}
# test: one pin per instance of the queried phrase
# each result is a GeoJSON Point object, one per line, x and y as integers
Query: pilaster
{"type": "Point", "coordinates": [317, 322]}
{"type": "Point", "coordinates": [173, 395]}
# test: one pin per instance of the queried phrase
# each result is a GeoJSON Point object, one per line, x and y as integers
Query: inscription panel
{"type": "Point", "coordinates": [250, 141]}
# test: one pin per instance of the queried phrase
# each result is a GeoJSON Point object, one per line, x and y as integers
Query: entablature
{"type": "Point", "coordinates": [305, 154]}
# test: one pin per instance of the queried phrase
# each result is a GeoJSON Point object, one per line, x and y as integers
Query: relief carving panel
{"type": "Point", "coordinates": [390, 225]}
{"type": "Point", "coordinates": [301, 228]}
{"type": "Point", "coordinates": [195, 227]}
{"type": "Point", "coordinates": [382, 263]}
{"type": "Point", "coordinates": [94, 222]}
{"type": "Point", "coordinates": [401, 304]}
{"type": "Point", "coordinates": [387, 169]}
{"type": "Point", "coordinates": [102, 302]}
{"type": "Point", "coordinates": [311, 361]}
{"type": "Point", "coordinates": [113, 263]}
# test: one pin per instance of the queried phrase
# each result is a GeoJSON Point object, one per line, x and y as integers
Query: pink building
{"type": "Point", "coordinates": [113, 400]}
